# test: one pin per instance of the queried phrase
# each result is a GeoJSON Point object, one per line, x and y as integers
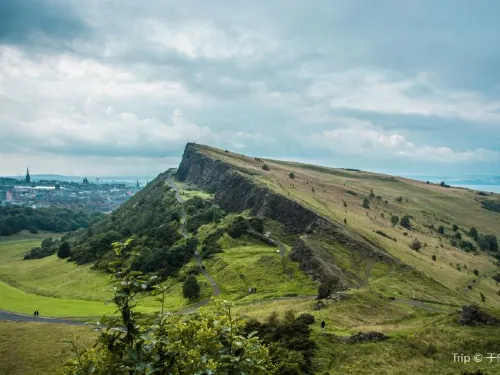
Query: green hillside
{"type": "Point", "coordinates": [266, 234]}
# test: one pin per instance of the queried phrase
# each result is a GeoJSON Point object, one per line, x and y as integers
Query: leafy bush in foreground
{"type": "Point", "coordinates": [213, 342]}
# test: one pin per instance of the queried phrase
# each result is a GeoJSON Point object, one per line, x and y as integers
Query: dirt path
{"type": "Point", "coordinates": [423, 305]}
{"type": "Point", "coordinates": [6, 315]}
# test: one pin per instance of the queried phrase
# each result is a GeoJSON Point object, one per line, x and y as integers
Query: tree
{"type": "Point", "coordinates": [291, 175]}
{"type": "Point", "coordinates": [455, 227]}
{"type": "Point", "coordinates": [64, 250]}
{"type": "Point", "coordinates": [265, 167]}
{"type": "Point", "coordinates": [434, 258]}
{"type": "Point", "coordinates": [394, 220]}
{"type": "Point", "coordinates": [191, 288]}
{"type": "Point", "coordinates": [458, 235]}
{"type": "Point", "coordinates": [474, 233]}
{"type": "Point", "coordinates": [405, 222]}
{"type": "Point", "coordinates": [441, 229]}
{"type": "Point", "coordinates": [488, 242]}
{"type": "Point", "coordinates": [366, 203]}
{"type": "Point", "coordinates": [327, 287]}
{"type": "Point", "coordinates": [416, 245]}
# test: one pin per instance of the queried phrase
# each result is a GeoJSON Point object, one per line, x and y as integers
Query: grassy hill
{"type": "Point", "coordinates": [284, 228]}
{"type": "Point", "coordinates": [337, 194]}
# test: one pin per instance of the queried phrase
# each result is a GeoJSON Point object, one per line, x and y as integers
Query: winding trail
{"type": "Point", "coordinates": [7, 315]}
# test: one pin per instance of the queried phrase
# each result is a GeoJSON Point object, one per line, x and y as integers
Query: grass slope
{"type": "Point", "coordinates": [338, 194]}
{"type": "Point", "coordinates": [60, 288]}
{"type": "Point", "coordinates": [37, 348]}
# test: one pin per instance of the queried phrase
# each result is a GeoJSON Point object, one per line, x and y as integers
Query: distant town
{"type": "Point", "coordinates": [91, 196]}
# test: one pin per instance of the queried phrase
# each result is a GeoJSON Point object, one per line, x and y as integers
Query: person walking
{"type": "Point", "coordinates": [323, 324]}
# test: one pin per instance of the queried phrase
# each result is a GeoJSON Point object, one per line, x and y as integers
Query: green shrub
{"type": "Point", "coordinates": [327, 287]}
{"type": "Point", "coordinates": [474, 233]}
{"type": "Point", "coordinates": [405, 222]}
{"type": "Point", "coordinates": [237, 227]}
{"type": "Point", "coordinates": [291, 175]}
{"type": "Point", "coordinates": [366, 203]}
{"type": "Point", "coordinates": [191, 287]}
{"type": "Point", "coordinates": [416, 244]}
{"type": "Point", "coordinates": [64, 250]}
{"type": "Point", "coordinates": [265, 167]}
{"type": "Point", "coordinates": [394, 220]}
{"type": "Point", "coordinates": [488, 242]}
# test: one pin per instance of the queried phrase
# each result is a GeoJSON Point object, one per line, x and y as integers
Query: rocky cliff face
{"type": "Point", "coordinates": [235, 192]}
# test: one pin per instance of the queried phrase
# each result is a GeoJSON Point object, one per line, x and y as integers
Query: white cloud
{"type": "Point", "coordinates": [376, 92]}
{"type": "Point", "coordinates": [361, 138]}
{"type": "Point", "coordinates": [202, 39]}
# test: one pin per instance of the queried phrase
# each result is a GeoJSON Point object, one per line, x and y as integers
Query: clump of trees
{"type": "Point", "coordinates": [191, 287]}
{"type": "Point", "coordinates": [237, 227]}
{"type": "Point", "coordinates": [291, 348]}
{"type": "Point", "coordinates": [48, 247]}
{"type": "Point", "coordinates": [488, 242]}
{"type": "Point", "coordinates": [14, 219]}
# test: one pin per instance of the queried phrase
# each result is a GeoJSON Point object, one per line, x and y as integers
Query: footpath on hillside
{"type": "Point", "coordinates": [6, 315]}
{"type": "Point", "coordinates": [215, 288]}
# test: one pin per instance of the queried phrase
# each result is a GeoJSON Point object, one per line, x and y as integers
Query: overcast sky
{"type": "Point", "coordinates": [117, 87]}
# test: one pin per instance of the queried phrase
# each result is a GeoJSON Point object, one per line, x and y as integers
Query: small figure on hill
{"type": "Point", "coordinates": [34, 313]}
{"type": "Point", "coordinates": [323, 324]}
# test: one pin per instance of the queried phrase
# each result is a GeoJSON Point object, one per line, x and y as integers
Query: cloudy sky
{"type": "Point", "coordinates": [117, 87]}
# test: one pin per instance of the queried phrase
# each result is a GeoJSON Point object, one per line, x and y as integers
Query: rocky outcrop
{"type": "Point", "coordinates": [471, 315]}
{"type": "Point", "coordinates": [236, 191]}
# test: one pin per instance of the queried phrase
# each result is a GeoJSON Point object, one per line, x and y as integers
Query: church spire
{"type": "Point", "coordinates": [27, 179]}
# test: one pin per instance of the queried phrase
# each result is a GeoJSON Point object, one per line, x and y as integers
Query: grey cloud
{"type": "Point", "coordinates": [30, 21]}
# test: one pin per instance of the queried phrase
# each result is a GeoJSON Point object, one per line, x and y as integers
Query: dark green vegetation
{"type": "Point", "coordinates": [191, 288]}
{"type": "Point", "coordinates": [211, 342]}
{"type": "Point", "coordinates": [48, 247]}
{"type": "Point", "coordinates": [152, 218]}
{"type": "Point", "coordinates": [14, 219]}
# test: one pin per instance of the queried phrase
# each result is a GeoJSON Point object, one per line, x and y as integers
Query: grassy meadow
{"type": "Point", "coordinates": [38, 348]}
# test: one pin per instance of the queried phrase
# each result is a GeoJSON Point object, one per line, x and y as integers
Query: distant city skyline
{"type": "Point", "coordinates": [118, 88]}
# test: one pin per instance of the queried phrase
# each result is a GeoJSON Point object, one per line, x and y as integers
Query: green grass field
{"type": "Point", "coordinates": [38, 348]}
{"type": "Point", "coordinates": [62, 289]}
